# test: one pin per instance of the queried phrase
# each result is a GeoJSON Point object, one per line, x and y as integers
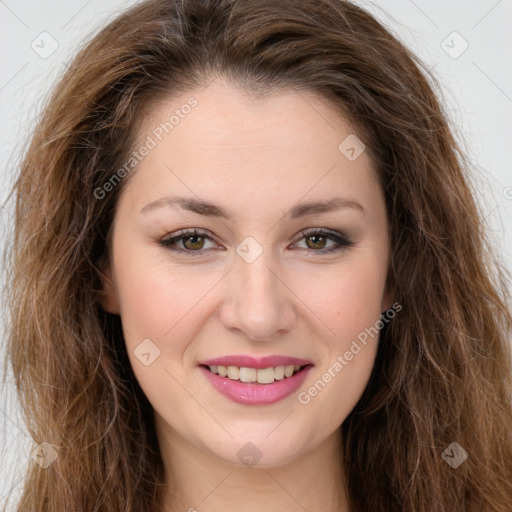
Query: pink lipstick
{"type": "Point", "coordinates": [249, 381]}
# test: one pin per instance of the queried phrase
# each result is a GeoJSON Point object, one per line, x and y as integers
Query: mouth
{"type": "Point", "coordinates": [261, 376]}
{"type": "Point", "coordinates": [261, 383]}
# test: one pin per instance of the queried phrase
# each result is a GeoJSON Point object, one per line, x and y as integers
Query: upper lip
{"type": "Point", "coordinates": [258, 363]}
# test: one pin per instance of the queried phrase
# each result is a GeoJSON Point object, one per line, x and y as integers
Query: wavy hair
{"type": "Point", "coordinates": [443, 372]}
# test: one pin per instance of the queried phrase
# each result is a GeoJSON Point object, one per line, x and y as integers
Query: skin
{"type": "Point", "coordinates": [258, 158]}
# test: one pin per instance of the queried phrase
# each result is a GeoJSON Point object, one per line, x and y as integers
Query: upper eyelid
{"type": "Point", "coordinates": [190, 232]}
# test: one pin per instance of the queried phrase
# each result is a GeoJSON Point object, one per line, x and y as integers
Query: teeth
{"type": "Point", "coordinates": [265, 375]}
{"type": "Point", "coordinates": [288, 370]}
{"type": "Point", "coordinates": [233, 372]}
{"type": "Point", "coordinates": [279, 372]}
{"type": "Point", "coordinates": [248, 374]}
{"type": "Point", "coordinates": [261, 376]}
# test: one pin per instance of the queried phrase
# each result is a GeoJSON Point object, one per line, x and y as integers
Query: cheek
{"type": "Point", "coordinates": [339, 381]}
{"type": "Point", "coordinates": [348, 299]}
{"type": "Point", "coordinates": [154, 296]}
{"type": "Point", "coordinates": [350, 306]}
{"type": "Point", "coordinates": [162, 305]}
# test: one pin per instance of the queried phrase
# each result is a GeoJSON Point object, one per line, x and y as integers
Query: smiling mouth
{"type": "Point", "coordinates": [263, 376]}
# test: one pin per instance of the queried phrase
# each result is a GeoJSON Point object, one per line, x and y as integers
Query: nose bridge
{"type": "Point", "coordinates": [258, 282]}
{"type": "Point", "coordinates": [252, 267]}
{"type": "Point", "coordinates": [257, 302]}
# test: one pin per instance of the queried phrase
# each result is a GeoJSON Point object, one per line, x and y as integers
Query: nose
{"type": "Point", "coordinates": [258, 301]}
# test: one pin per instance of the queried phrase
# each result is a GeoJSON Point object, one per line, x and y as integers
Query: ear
{"type": "Point", "coordinates": [107, 296]}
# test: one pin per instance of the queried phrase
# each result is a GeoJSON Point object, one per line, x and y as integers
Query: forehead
{"type": "Point", "coordinates": [228, 144]}
{"type": "Point", "coordinates": [226, 117]}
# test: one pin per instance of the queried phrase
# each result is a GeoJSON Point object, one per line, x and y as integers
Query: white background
{"type": "Point", "coordinates": [476, 88]}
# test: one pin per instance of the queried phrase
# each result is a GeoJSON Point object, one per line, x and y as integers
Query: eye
{"type": "Point", "coordinates": [193, 241]}
{"type": "Point", "coordinates": [317, 238]}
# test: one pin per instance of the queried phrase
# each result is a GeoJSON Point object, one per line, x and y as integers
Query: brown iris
{"type": "Point", "coordinates": [321, 239]}
{"type": "Point", "coordinates": [195, 244]}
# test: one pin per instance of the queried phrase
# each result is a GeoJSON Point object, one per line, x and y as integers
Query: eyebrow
{"type": "Point", "coordinates": [206, 208]}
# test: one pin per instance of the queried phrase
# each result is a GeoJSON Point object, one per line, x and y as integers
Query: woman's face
{"type": "Point", "coordinates": [258, 280]}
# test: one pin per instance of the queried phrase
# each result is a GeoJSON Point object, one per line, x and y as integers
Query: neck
{"type": "Point", "coordinates": [199, 481]}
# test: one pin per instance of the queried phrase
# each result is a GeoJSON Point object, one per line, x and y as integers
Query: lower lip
{"type": "Point", "coordinates": [256, 394]}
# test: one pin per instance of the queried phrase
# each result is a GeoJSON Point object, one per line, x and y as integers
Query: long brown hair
{"type": "Point", "coordinates": [443, 373]}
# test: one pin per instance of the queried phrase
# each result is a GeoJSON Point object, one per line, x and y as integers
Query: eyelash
{"type": "Point", "coordinates": [342, 241]}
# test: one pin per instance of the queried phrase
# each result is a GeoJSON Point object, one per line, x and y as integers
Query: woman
{"type": "Point", "coordinates": [248, 270]}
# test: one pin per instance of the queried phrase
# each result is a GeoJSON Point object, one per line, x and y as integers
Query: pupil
{"type": "Point", "coordinates": [194, 239]}
{"type": "Point", "coordinates": [316, 237]}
